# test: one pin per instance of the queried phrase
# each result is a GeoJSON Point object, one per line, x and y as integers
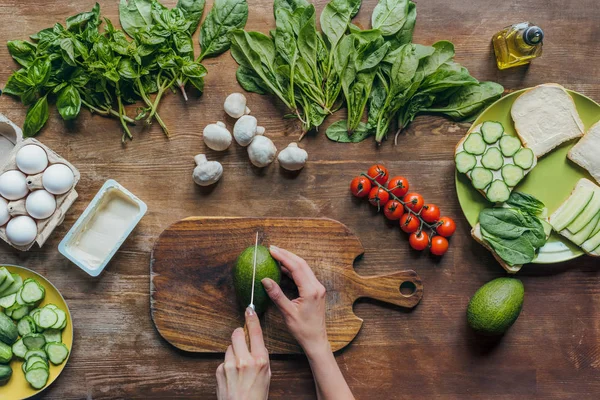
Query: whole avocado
{"type": "Point", "coordinates": [496, 306]}
{"type": "Point", "coordinates": [266, 267]}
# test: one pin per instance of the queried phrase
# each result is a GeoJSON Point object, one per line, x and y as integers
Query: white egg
{"type": "Point", "coordinates": [13, 185]}
{"type": "Point", "coordinates": [21, 230]}
{"type": "Point", "coordinates": [40, 204]}
{"type": "Point", "coordinates": [32, 159]}
{"type": "Point", "coordinates": [58, 179]}
{"type": "Point", "coordinates": [4, 215]}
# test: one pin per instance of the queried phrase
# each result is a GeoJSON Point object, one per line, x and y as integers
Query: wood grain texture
{"type": "Point", "coordinates": [192, 298]}
{"type": "Point", "coordinates": [551, 353]}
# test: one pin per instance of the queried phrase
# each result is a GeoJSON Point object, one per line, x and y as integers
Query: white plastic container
{"type": "Point", "coordinates": [102, 228]}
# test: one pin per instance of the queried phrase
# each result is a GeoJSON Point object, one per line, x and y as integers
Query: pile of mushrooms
{"type": "Point", "coordinates": [247, 133]}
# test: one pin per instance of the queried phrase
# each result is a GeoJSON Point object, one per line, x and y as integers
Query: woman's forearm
{"type": "Point", "coordinates": [329, 381]}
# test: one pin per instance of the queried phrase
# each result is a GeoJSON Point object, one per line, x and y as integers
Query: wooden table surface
{"type": "Point", "coordinates": [552, 352]}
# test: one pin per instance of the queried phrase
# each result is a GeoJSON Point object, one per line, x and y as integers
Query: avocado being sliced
{"type": "Point", "coordinates": [266, 267]}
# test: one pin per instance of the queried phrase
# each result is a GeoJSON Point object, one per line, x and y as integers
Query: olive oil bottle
{"type": "Point", "coordinates": [517, 44]}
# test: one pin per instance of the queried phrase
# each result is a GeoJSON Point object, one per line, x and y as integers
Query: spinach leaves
{"type": "Point", "coordinates": [77, 64]}
{"type": "Point", "coordinates": [514, 232]}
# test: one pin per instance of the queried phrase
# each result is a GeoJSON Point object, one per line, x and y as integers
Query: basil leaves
{"type": "Point", "coordinates": [514, 232]}
{"type": "Point", "coordinates": [79, 64]}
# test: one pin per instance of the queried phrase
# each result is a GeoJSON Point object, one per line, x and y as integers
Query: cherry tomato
{"type": "Point", "coordinates": [409, 223]}
{"type": "Point", "coordinates": [418, 240]}
{"type": "Point", "coordinates": [430, 213]}
{"type": "Point", "coordinates": [378, 197]}
{"type": "Point", "coordinates": [439, 245]}
{"type": "Point", "coordinates": [447, 227]}
{"type": "Point", "coordinates": [414, 201]}
{"type": "Point", "coordinates": [398, 185]}
{"type": "Point", "coordinates": [379, 173]}
{"type": "Point", "coordinates": [360, 186]}
{"type": "Point", "coordinates": [393, 210]}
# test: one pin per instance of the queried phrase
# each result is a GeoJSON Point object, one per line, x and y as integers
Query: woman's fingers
{"type": "Point", "coordinates": [301, 273]}
{"type": "Point", "coordinates": [279, 298]}
{"type": "Point", "coordinates": [240, 347]}
{"type": "Point", "coordinates": [257, 343]}
{"type": "Point", "coordinates": [221, 383]}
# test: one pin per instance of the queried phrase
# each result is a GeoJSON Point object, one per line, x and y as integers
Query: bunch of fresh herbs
{"type": "Point", "coordinates": [79, 65]}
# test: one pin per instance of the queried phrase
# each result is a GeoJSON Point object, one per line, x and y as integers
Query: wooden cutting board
{"type": "Point", "coordinates": [193, 302]}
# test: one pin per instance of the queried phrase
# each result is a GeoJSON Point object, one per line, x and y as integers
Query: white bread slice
{"type": "Point", "coordinates": [545, 117]}
{"type": "Point", "coordinates": [476, 234]}
{"type": "Point", "coordinates": [586, 153]}
{"type": "Point", "coordinates": [581, 183]}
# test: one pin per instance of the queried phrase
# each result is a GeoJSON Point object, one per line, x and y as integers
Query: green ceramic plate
{"type": "Point", "coordinates": [551, 181]}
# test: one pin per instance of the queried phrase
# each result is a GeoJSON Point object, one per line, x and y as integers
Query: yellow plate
{"type": "Point", "coordinates": [18, 388]}
{"type": "Point", "coordinates": [551, 181]}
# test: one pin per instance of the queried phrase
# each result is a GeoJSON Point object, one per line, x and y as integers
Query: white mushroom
{"type": "Point", "coordinates": [217, 137]}
{"type": "Point", "coordinates": [292, 157]}
{"type": "Point", "coordinates": [261, 151]}
{"type": "Point", "coordinates": [245, 129]}
{"type": "Point", "coordinates": [235, 105]}
{"type": "Point", "coordinates": [206, 172]}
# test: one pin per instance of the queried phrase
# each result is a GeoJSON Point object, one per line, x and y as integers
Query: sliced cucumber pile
{"type": "Point", "coordinates": [28, 331]}
{"type": "Point", "coordinates": [494, 161]}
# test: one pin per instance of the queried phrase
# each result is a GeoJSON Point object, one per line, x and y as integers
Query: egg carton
{"type": "Point", "coordinates": [63, 201]}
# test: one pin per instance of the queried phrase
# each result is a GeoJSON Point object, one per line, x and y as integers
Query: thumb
{"type": "Point", "coordinates": [279, 298]}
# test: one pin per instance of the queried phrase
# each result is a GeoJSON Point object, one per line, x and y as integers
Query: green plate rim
{"type": "Point", "coordinates": [576, 253]}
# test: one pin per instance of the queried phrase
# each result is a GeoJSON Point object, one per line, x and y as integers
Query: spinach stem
{"type": "Point", "coordinates": [107, 112]}
{"type": "Point", "coordinates": [121, 112]}
{"type": "Point", "coordinates": [149, 104]}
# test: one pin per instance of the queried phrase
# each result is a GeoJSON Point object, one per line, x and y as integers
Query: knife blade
{"type": "Point", "coordinates": [251, 305]}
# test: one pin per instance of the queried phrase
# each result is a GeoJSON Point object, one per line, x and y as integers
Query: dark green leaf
{"type": "Point", "coordinates": [469, 100]}
{"type": "Point", "coordinates": [513, 251]}
{"type": "Point", "coordinates": [198, 83]}
{"type": "Point", "coordinates": [290, 5]}
{"type": "Point", "coordinates": [39, 71]}
{"type": "Point", "coordinates": [389, 16]}
{"type": "Point", "coordinates": [335, 19]}
{"type": "Point", "coordinates": [338, 132]}
{"type": "Point", "coordinates": [36, 118]}
{"type": "Point", "coordinates": [249, 81]}
{"type": "Point", "coordinates": [405, 35]}
{"type": "Point", "coordinates": [526, 202]}
{"type": "Point", "coordinates": [68, 103]}
{"type": "Point", "coordinates": [22, 51]}
{"type": "Point", "coordinates": [193, 10]}
{"type": "Point", "coordinates": [194, 70]}
{"type": "Point", "coordinates": [135, 15]}
{"type": "Point", "coordinates": [68, 51]}
{"type": "Point", "coordinates": [505, 223]}
{"type": "Point", "coordinates": [76, 22]}
{"type": "Point", "coordinates": [224, 17]}
{"type": "Point", "coordinates": [18, 83]}
{"type": "Point", "coordinates": [127, 70]}
{"type": "Point", "coordinates": [183, 42]}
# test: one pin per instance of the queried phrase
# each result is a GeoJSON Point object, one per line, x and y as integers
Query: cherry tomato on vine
{"type": "Point", "coordinates": [447, 227]}
{"type": "Point", "coordinates": [409, 223]}
{"type": "Point", "coordinates": [398, 185]}
{"type": "Point", "coordinates": [430, 213]}
{"type": "Point", "coordinates": [418, 240]}
{"type": "Point", "coordinates": [414, 201]}
{"type": "Point", "coordinates": [393, 210]}
{"type": "Point", "coordinates": [439, 245]}
{"type": "Point", "coordinates": [379, 173]}
{"type": "Point", "coordinates": [378, 197]}
{"type": "Point", "coordinates": [360, 186]}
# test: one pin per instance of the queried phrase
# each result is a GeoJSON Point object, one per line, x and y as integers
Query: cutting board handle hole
{"type": "Point", "coordinates": [407, 288]}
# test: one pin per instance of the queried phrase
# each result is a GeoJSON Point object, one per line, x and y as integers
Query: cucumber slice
{"type": "Point", "coordinates": [14, 288]}
{"type": "Point", "coordinates": [8, 301]}
{"type": "Point", "coordinates": [589, 212]}
{"type": "Point", "coordinates": [32, 292]}
{"type": "Point", "coordinates": [37, 352]}
{"type": "Point", "coordinates": [53, 335]}
{"type": "Point", "coordinates": [51, 306]}
{"type": "Point", "coordinates": [509, 145]}
{"type": "Point", "coordinates": [596, 229]}
{"type": "Point", "coordinates": [37, 364]}
{"type": "Point", "coordinates": [6, 278]}
{"type": "Point", "coordinates": [62, 319]}
{"type": "Point", "coordinates": [481, 177]}
{"type": "Point", "coordinates": [592, 243]}
{"type": "Point", "coordinates": [585, 233]}
{"type": "Point", "coordinates": [57, 352]}
{"type": "Point", "coordinates": [34, 360]}
{"type": "Point", "coordinates": [34, 341]}
{"type": "Point", "coordinates": [26, 325]}
{"type": "Point", "coordinates": [37, 377]}
{"type": "Point", "coordinates": [20, 312]}
{"type": "Point", "coordinates": [512, 174]}
{"type": "Point", "coordinates": [498, 192]}
{"type": "Point", "coordinates": [524, 158]}
{"type": "Point", "coordinates": [577, 203]}
{"type": "Point", "coordinates": [474, 144]}
{"type": "Point", "coordinates": [492, 131]}
{"type": "Point", "coordinates": [492, 159]}
{"type": "Point", "coordinates": [47, 318]}
{"type": "Point", "coordinates": [465, 162]}
{"type": "Point", "coordinates": [19, 349]}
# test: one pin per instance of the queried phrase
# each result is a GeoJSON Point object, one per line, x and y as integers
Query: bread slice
{"type": "Point", "coordinates": [586, 153]}
{"type": "Point", "coordinates": [545, 117]}
{"type": "Point", "coordinates": [565, 233]}
{"type": "Point", "coordinates": [476, 234]}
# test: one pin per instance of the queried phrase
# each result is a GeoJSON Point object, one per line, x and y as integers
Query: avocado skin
{"type": "Point", "coordinates": [496, 306]}
{"type": "Point", "coordinates": [266, 267]}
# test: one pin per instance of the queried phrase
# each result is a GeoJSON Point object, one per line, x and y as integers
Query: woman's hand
{"type": "Point", "coordinates": [245, 374]}
{"type": "Point", "coordinates": [304, 316]}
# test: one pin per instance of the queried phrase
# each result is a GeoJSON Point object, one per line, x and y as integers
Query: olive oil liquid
{"type": "Point", "coordinates": [517, 44]}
